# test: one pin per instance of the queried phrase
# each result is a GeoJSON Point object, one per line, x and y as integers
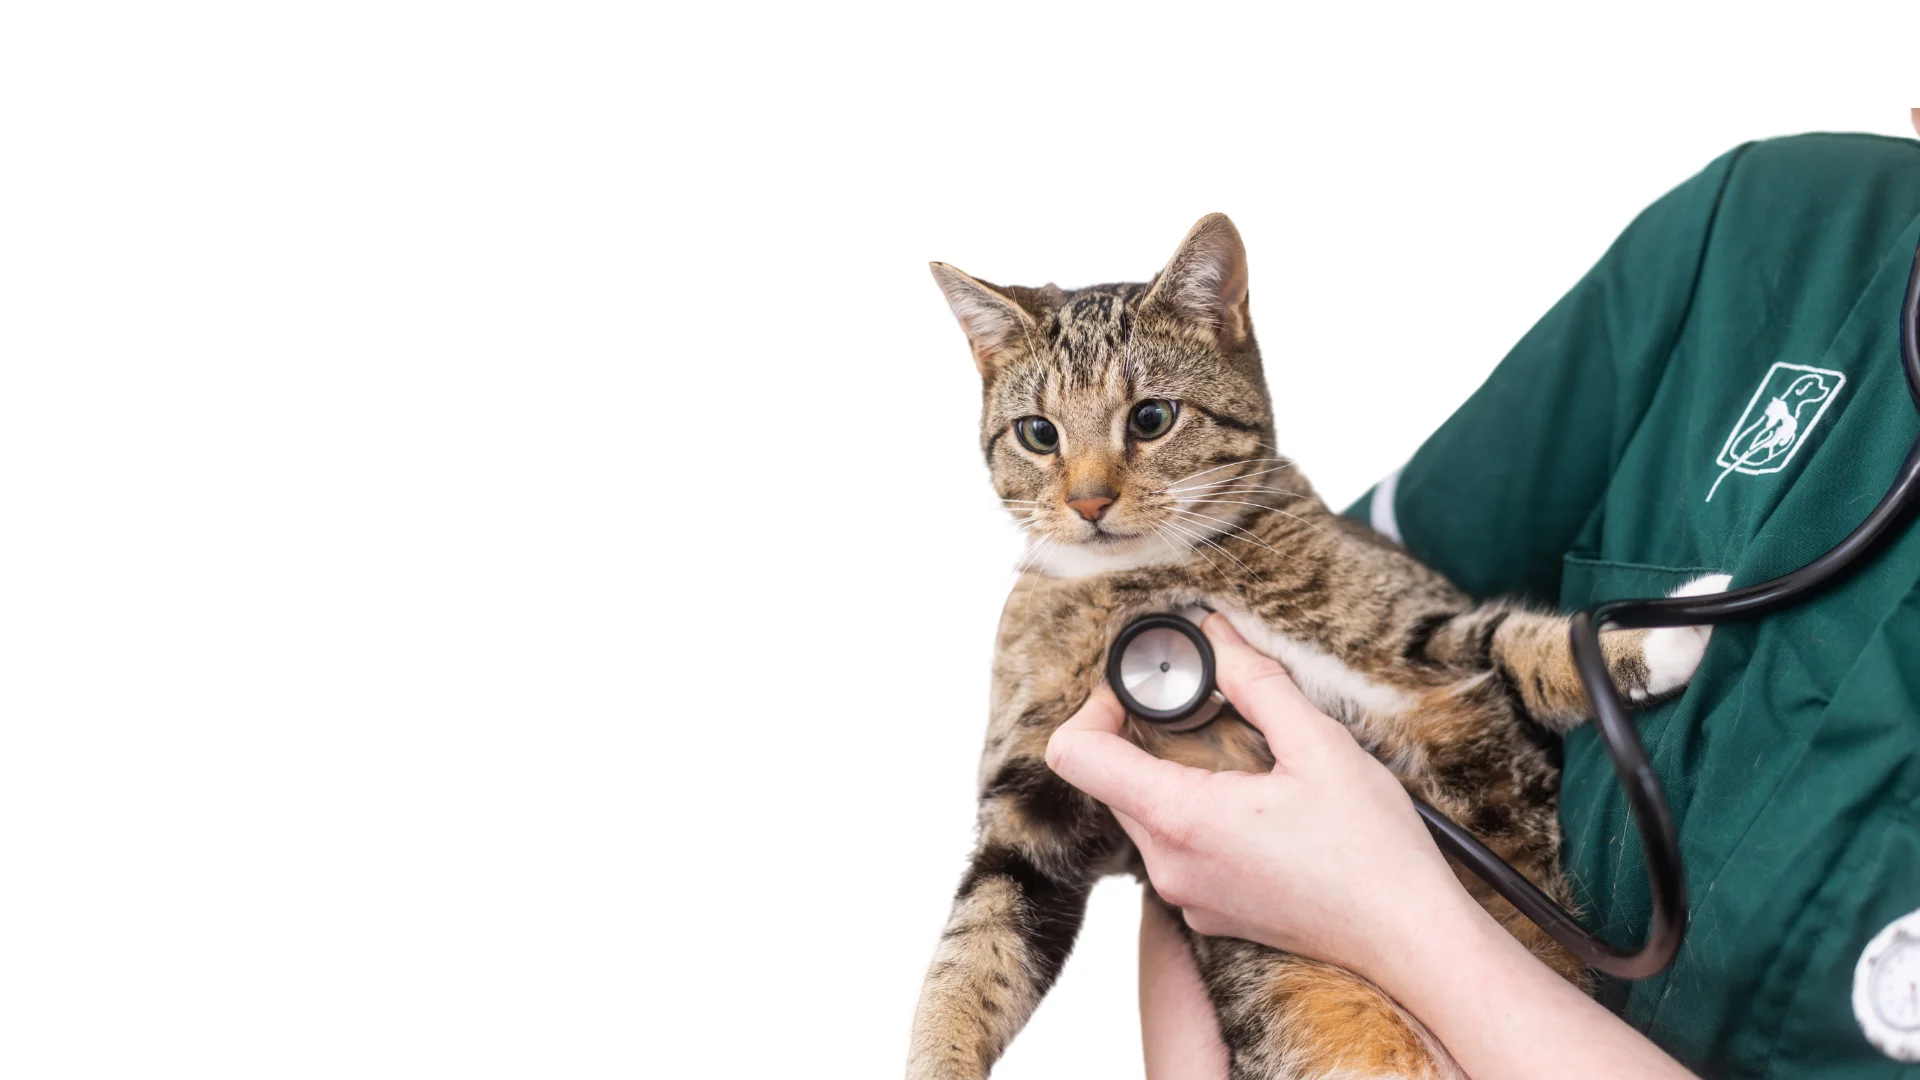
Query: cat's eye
{"type": "Point", "coordinates": [1151, 418]}
{"type": "Point", "coordinates": [1037, 434]}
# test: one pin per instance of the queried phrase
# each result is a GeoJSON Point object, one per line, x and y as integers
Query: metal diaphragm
{"type": "Point", "coordinates": [1161, 669]}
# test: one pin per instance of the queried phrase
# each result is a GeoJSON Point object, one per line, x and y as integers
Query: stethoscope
{"type": "Point", "coordinates": [1161, 668]}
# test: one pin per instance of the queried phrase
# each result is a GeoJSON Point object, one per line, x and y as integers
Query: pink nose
{"type": "Point", "coordinates": [1091, 508]}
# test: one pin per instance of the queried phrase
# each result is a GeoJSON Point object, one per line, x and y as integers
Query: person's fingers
{"type": "Point", "coordinates": [1245, 674]}
{"type": "Point", "coordinates": [1102, 712]}
{"type": "Point", "coordinates": [1088, 752]}
{"type": "Point", "coordinates": [1263, 692]}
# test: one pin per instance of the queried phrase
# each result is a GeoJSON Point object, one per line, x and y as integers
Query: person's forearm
{"type": "Point", "coordinates": [1179, 1030]}
{"type": "Point", "coordinates": [1501, 1013]}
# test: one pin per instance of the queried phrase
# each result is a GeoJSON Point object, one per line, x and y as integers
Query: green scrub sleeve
{"type": "Point", "coordinates": [1498, 494]}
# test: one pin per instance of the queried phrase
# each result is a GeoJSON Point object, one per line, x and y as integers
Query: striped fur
{"type": "Point", "coordinates": [1464, 702]}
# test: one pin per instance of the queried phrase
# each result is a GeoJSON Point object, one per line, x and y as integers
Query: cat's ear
{"type": "Point", "coordinates": [996, 326]}
{"type": "Point", "coordinates": [1205, 283]}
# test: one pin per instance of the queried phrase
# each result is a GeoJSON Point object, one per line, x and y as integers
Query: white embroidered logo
{"type": "Point", "coordinates": [1783, 412]}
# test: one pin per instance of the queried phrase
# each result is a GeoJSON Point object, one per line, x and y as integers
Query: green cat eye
{"type": "Point", "coordinates": [1037, 434]}
{"type": "Point", "coordinates": [1151, 418]}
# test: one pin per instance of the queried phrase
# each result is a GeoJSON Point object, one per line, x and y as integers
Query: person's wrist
{"type": "Point", "coordinates": [1423, 926]}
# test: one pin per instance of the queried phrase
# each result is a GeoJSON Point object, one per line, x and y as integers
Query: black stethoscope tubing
{"type": "Point", "coordinates": [1646, 800]}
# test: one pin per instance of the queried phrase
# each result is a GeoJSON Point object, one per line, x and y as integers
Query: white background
{"type": "Point", "coordinates": [496, 575]}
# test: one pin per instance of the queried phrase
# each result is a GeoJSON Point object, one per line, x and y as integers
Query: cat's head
{"type": "Point", "coordinates": [1123, 423]}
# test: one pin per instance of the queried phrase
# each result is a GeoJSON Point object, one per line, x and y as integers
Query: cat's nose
{"type": "Point", "coordinates": [1091, 506]}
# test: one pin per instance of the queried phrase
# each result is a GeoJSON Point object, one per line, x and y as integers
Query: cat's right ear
{"type": "Point", "coordinates": [996, 326]}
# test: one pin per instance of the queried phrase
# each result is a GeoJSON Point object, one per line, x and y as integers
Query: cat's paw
{"type": "Point", "coordinates": [1673, 652]}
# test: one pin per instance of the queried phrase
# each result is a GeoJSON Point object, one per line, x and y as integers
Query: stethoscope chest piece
{"type": "Point", "coordinates": [1161, 669]}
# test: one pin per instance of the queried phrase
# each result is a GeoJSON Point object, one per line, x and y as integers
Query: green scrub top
{"type": "Point", "coordinates": [1723, 393]}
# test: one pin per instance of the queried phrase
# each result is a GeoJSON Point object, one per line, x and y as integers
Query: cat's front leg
{"type": "Point", "coordinates": [1042, 846]}
{"type": "Point", "coordinates": [1532, 653]}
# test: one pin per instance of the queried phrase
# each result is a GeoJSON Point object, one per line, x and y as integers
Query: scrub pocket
{"type": "Point", "coordinates": [1586, 579]}
{"type": "Point", "coordinates": [1600, 848]}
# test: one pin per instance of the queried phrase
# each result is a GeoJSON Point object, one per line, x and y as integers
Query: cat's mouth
{"type": "Point", "coordinates": [1108, 537]}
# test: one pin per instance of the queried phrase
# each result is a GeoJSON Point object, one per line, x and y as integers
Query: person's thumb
{"type": "Point", "coordinates": [1088, 752]}
{"type": "Point", "coordinates": [1263, 692]}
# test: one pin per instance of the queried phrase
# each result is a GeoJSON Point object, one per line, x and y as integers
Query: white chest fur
{"type": "Point", "coordinates": [1328, 683]}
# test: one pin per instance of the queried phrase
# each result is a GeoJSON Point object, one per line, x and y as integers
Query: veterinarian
{"type": "Point", "coordinates": [1722, 392]}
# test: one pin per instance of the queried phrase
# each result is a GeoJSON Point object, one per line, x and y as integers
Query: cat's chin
{"type": "Point", "coordinates": [1078, 560]}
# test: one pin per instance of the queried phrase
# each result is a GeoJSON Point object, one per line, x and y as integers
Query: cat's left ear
{"type": "Point", "coordinates": [996, 326]}
{"type": "Point", "coordinates": [1205, 283]}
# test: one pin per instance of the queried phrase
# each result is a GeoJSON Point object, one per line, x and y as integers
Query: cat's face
{"type": "Point", "coordinates": [1125, 425]}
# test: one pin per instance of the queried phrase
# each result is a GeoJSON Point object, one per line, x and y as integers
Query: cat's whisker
{"type": "Point", "coordinates": [1228, 480]}
{"type": "Point", "coordinates": [1246, 461]}
{"type": "Point", "coordinates": [1032, 557]}
{"type": "Point", "coordinates": [1046, 547]}
{"type": "Point", "coordinates": [1265, 445]}
{"type": "Point", "coordinates": [1241, 491]}
{"type": "Point", "coordinates": [1172, 548]}
{"type": "Point", "coordinates": [1020, 565]}
{"type": "Point", "coordinates": [1203, 539]}
{"type": "Point", "coordinates": [1188, 546]}
{"type": "Point", "coordinates": [1263, 506]}
{"type": "Point", "coordinates": [1252, 484]}
{"type": "Point", "coordinates": [1250, 534]}
{"type": "Point", "coordinates": [1217, 468]}
{"type": "Point", "coordinates": [1243, 478]}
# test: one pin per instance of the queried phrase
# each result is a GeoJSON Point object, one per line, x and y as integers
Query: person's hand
{"type": "Point", "coordinates": [1324, 856]}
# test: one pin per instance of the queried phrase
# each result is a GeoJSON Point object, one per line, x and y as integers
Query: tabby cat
{"type": "Point", "coordinates": [1129, 430]}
